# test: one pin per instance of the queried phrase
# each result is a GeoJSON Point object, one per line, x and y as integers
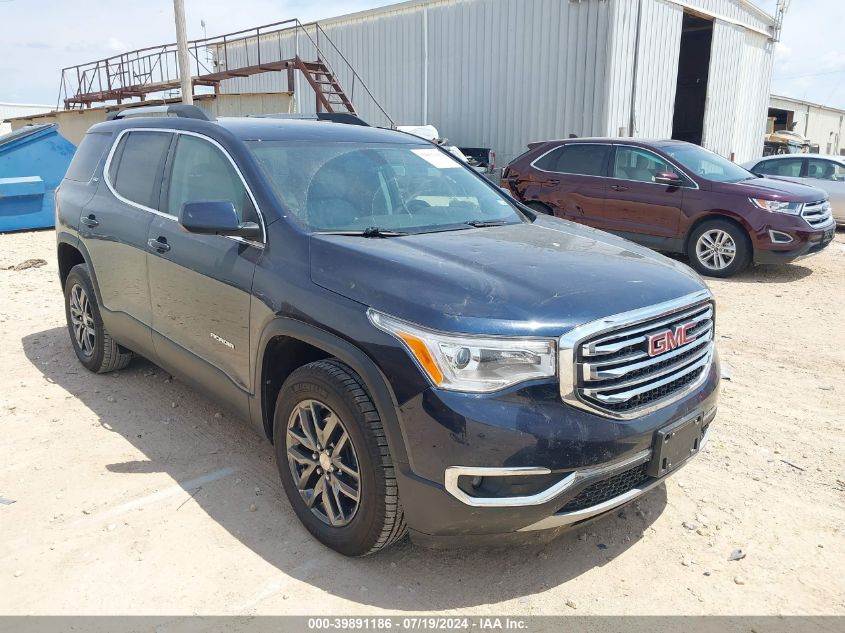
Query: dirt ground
{"type": "Point", "coordinates": [134, 494]}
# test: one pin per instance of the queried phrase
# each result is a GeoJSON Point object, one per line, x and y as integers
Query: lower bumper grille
{"type": "Point", "coordinates": [607, 489]}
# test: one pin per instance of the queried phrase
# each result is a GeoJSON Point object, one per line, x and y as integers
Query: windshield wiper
{"type": "Point", "coordinates": [373, 231]}
{"type": "Point", "coordinates": [479, 224]}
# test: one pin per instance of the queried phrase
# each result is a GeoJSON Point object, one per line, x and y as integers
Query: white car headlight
{"type": "Point", "coordinates": [475, 364]}
{"type": "Point", "coordinates": [778, 206]}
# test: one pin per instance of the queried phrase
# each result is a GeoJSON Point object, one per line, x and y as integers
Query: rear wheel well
{"type": "Point", "coordinates": [68, 258]}
{"type": "Point", "coordinates": [282, 356]}
{"type": "Point", "coordinates": [717, 216]}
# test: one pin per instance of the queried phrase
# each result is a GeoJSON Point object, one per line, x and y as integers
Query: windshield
{"type": "Point", "coordinates": [354, 186]}
{"type": "Point", "coordinates": [707, 164]}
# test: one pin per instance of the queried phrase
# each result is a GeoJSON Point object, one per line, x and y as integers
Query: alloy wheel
{"type": "Point", "coordinates": [715, 249]}
{"type": "Point", "coordinates": [82, 320]}
{"type": "Point", "coordinates": [323, 463]}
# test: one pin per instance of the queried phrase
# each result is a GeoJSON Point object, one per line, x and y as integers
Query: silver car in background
{"type": "Point", "coordinates": [817, 170]}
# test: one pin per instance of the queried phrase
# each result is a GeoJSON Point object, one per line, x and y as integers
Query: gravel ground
{"type": "Point", "coordinates": [134, 494]}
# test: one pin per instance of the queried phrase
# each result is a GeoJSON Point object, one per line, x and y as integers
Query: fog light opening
{"type": "Point", "coordinates": [779, 237]}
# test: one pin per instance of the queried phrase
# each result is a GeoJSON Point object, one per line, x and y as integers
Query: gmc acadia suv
{"type": "Point", "coordinates": [424, 353]}
{"type": "Point", "coordinates": [674, 197]}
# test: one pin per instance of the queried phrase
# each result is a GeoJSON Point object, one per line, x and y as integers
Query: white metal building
{"type": "Point", "coordinates": [9, 110]}
{"type": "Point", "coordinates": [823, 125]}
{"type": "Point", "coordinates": [503, 73]}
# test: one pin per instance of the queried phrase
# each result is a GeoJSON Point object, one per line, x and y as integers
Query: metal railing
{"type": "Point", "coordinates": [155, 69]}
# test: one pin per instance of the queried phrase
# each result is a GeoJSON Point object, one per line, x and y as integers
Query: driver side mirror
{"type": "Point", "coordinates": [668, 178]}
{"type": "Point", "coordinates": [216, 217]}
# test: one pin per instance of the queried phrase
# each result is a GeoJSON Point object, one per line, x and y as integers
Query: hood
{"type": "Point", "coordinates": [772, 189]}
{"type": "Point", "coordinates": [540, 278]}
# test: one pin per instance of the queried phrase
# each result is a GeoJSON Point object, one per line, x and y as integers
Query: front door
{"type": "Point", "coordinates": [201, 285]}
{"type": "Point", "coordinates": [637, 207]}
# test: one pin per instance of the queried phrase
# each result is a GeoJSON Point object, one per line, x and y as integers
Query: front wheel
{"type": "Point", "coordinates": [719, 248]}
{"type": "Point", "coordinates": [334, 461]}
{"type": "Point", "coordinates": [94, 346]}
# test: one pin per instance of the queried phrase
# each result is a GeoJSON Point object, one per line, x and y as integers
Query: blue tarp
{"type": "Point", "coordinates": [33, 161]}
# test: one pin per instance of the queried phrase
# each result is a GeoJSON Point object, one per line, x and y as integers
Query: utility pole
{"type": "Point", "coordinates": [182, 46]}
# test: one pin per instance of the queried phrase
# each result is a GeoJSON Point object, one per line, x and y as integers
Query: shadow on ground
{"type": "Point", "coordinates": [184, 443]}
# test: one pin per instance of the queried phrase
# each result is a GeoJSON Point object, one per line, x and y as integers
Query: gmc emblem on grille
{"type": "Point", "coordinates": [670, 339]}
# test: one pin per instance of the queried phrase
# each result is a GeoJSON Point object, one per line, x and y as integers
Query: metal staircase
{"type": "Point", "coordinates": [285, 47]}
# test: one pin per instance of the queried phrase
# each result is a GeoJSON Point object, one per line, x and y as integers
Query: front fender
{"type": "Point", "coordinates": [261, 411]}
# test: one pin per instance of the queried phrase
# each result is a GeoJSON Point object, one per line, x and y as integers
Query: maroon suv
{"type": "Point", "coordinates": [674, 197]}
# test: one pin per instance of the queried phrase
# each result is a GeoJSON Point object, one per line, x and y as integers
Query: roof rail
{"type": "Point", "coordinates": [181, 110]}
{"type": "Point", "coordinates": [334, 117]}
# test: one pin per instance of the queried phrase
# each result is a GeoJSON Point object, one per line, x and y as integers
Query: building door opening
{"type": "Point", "coordinates": [693, 71]}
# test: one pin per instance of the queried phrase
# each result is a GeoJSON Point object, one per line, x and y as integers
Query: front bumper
{"type": "Point", "coordinates": [586, 465]}
{"type": "Point", "coordinates": [805, 243]}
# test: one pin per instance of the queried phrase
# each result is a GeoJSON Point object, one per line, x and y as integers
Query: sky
{"type": "Point", "coordinates": [39, 37]}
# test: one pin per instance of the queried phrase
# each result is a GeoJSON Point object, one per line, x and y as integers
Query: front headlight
{"type": "Point", "coordinates": [477, 364]}
{"type": "Point", "coordinates": [778, 206]}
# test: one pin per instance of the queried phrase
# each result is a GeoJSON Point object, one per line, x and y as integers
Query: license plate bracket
{"type": "Point", "coordinates": [674, 444]}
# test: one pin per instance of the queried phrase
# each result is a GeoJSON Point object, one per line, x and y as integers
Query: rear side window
{"type": "Point", "coordinates": [88, 156]}
{"type": "Point", "coordinates": [135, 170]}
{"type": "Point", "coordinates": [202, 172]}
{"type": "Point", "coordinates": [578, 158]}
{"type": "Point", "coordinates": [780, 167]}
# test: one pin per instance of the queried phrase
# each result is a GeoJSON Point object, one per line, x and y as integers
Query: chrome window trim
{"type": "Point", "coordinates": [544, 154]}
{"type": "Point", "coordinates": [612, 145]}
{"type": "Point", "coordinates": [569, 343]}
{"type": "Point", "coordinates": [137, 205]}
{"type": "Point", "coordinates": [453, 473]}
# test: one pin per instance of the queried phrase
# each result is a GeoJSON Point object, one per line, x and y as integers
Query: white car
{"type": "Point", "coordinates": [817, 170]}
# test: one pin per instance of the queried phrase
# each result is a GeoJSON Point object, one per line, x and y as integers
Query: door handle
{"type": "Point", "coordinates": [619, 188]}
{"type": "Point", "coordinates": [90, 220]}
{"type": "Point", "coordinates": [159, 244]}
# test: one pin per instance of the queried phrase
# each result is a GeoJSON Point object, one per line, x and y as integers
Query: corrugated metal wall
{"type": "Point", "coordinates": [723, 87]}
{"type": "Point", "coordinates": [503, 73]}
{"type": "Point", "coordinates": [657, 67]}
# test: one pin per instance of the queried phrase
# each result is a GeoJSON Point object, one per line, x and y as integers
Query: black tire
{"type": "Point", "coordinates": [378, 519]}
{"type": "Point", "coordinates": [99, 352]}
{"type": "Point", "coordinates": [539, 207]}
{"type": "Point", "coordinates": [710, 265]}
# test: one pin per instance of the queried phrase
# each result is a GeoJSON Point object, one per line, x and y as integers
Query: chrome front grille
{"type": "Point", "coordinates": [817, 213]}
{"type": "Point", "coordinates": [641, 363]}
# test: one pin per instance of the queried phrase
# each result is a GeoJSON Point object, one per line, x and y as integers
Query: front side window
{"type": "Point", "coordinates": [201, 172]}
{"type": "Point", "coordinates": [706, 164]}
{"type": "Point", "coordinates": [582, 159]}
{"type": "Point", "coordinates": [632, 163]}
{"type": "Point", "coordinates": [356, 186]}
{"type": "Point", "coordinates": [789, 167]}
{"type": "Point", "coordinates": [822, 169]}
{"type": "Point", "coordinates": [135, 170]}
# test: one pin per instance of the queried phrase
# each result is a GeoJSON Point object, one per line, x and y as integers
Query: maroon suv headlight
{"type": "Point", "coordinates": [778, 206]}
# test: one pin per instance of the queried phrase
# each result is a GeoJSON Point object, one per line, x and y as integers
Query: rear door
{"type": "Point", "coordinates": [637, 207]}
{"type": "Point", "coordinates": [829, 175]}
{"type": "Point", "coordinates": [200, 284]}
{"type": "Point", "coordinates": [571, 180]}
{"type": "Point", "coordinates": [114, 227]}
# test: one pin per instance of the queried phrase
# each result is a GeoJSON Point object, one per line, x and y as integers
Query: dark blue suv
{"type": "Point", "coordinates": [425, 353]}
